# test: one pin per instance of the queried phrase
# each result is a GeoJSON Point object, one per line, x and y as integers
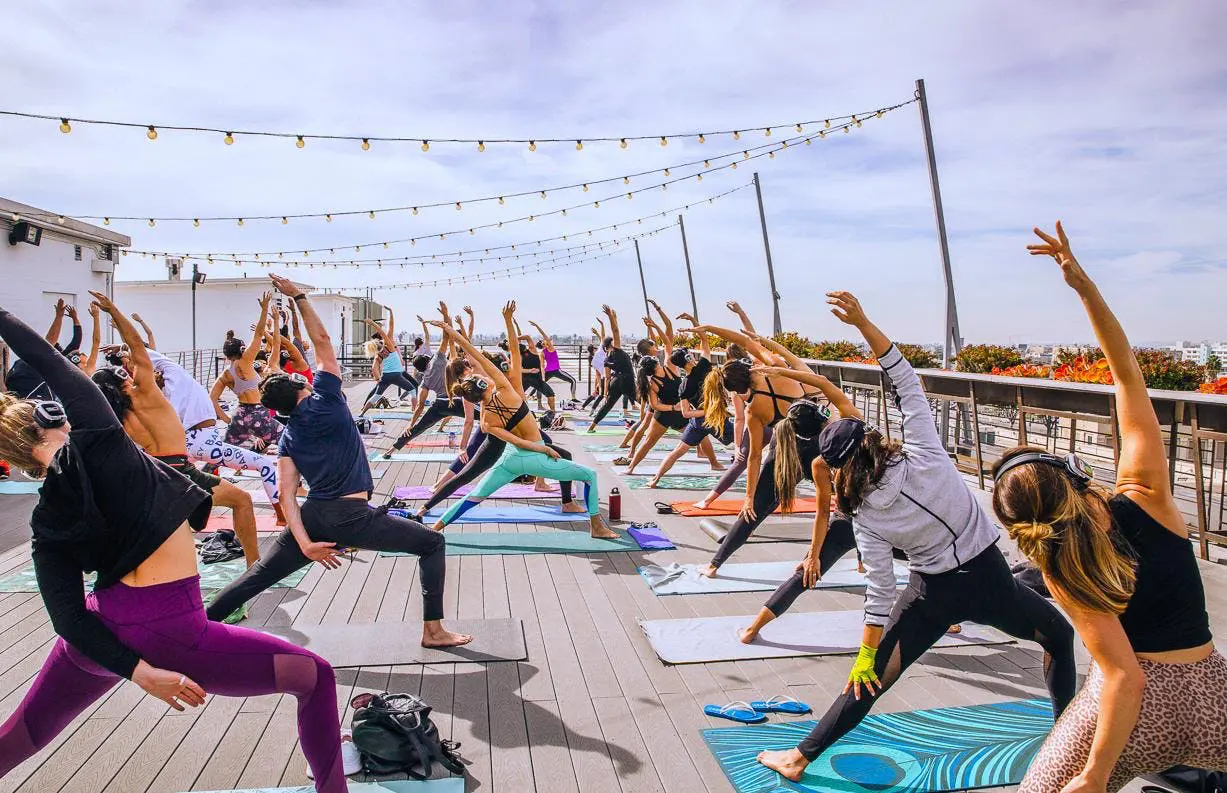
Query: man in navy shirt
{"type": "Point", "coordinates": [321, 445]}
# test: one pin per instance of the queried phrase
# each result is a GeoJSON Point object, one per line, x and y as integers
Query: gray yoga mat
{"type": "Point", "coordinates": [707, 639]}
{"type": "Point", "coordinates": [659, 455]}
{"type": "Point", "coordinates": [771, 530]}
{"type": "Point", "coordinates": [684, 579]}
{"type": "Point", "coordinates": [395, 643]}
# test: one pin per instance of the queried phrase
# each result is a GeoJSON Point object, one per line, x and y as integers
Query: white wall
{"type": "Point", "coordinates": [222, 305]}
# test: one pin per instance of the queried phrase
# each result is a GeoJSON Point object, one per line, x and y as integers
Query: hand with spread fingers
{"type": "Point", "coordinates": [847, 308]}
{"type": "Point", "coordinates": [1058, 248]}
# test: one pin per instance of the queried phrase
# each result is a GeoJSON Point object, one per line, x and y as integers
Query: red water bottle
{"type": "Point", "coordinates": [615, 504]}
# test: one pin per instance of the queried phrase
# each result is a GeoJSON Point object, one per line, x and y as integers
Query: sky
{"type": "Point", "coordinates": [1109, 116]}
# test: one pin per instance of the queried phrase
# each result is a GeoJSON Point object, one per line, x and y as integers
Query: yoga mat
{"type": "Point", "coordinates": [512, 491]}
{"type": "Point", "coordinates": [212, 576]}
{"type": "Point", "coordinates": [529, 543]}
{"type": "Point", "coordinates": [11, 488]}
{"type": "Point", "coordinates": [732, 506]}
{"type": "Point", "coordinates": [681, 468]}
{"type": "Point", "coordinates": [415, 457]}
{"type": "Point", "coordinates": [260, 498]}
{"type": "Point", "coordinates": [920, 751]}
{"type": "Point", "coordinates": [392, 644]}
{"type": "Point", "coordinates": [650, 539]}
{"type": "Point", "coordinates": [451, 784]}
{"type": "Point", "coordinates": [661, 454]}
{"type": "Point", "coordinates": [226, 522]}
{"type": "Point", "coordinates": [705, 639]}
{"type": "Point", "coordinates": [699, 483]}
{"type": "Point", "coordinates": [684, 579]}
{"type": "Point", "coordinates": [613, 447]}
{"type": "Point", "coordinates": [770, 530]}
{"type": "Point", "coordinates": [515, 513]}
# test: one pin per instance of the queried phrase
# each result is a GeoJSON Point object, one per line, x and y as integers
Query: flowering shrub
{"type": "Point", "coordinates": [920, 357]}
{"type": "Point", "coordinates": [1162, 369]}
{"type": "Point", "coordinates": [1084, 370]}
{"type": "Point", "coordinates": [691, 341]}
{"type": "Point", "coordinates": [1068, 355]}
{"type": "Point", "coordinates": [1024, 370]}
{"type": "Point", "coordinates": [796, 343]}
{"type": "Point", "coordinates": [836, 350]}
{"type": "Point", "coordinates": [1219, 386]}
{"type": "Point", "coordinates": [983, 358]}
{"type": "Point", "coordinates": [861, 359]}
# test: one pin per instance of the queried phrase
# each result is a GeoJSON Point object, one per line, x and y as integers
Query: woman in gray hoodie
{"type": "Point", "coordinates": [911, 497]}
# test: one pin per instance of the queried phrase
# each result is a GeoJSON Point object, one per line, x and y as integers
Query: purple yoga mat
{"type": "Point", "coordinates": [650, 539]}
{"type": "Point", "coordinates": [516, 491]}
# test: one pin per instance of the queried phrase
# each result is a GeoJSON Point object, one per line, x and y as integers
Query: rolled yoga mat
{"type": "Point", "coordinates": [528, 543]}
{"type": "Point", "coordinates": [920, 751]}
{"type": "Point", "coordinates": [11, 488]}
{"type": "Point", "coordinates": [452, 784]}
{"type": "Point", "coordinates": [705, 639]}
{"type": "Point", "coordinates": [771, 530]}
{"type": "Point", "coordinates": [396, 643]}
{"type": "Point", "coordinates": [513, 491]}
{"type": "Point", "coordinates": [684, 579]}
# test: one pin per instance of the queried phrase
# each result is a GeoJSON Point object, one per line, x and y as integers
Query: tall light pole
{"type": "Point", "coordinates": [953, 341]}
{"type": "Point", "coordinates": [775, 295]}
{"type": "Point", "coordinates": [642, 283]}
{"type": "Point", "coordinates": [694, 304]}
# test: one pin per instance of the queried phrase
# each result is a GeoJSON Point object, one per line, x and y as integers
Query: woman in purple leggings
{"type": "Point", "coordinates": [105, 506]}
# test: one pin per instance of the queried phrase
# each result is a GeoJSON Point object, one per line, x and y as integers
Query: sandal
{"type": "Point", "coordinates": [622, 461]}
{"type": "Point", "coordinates": [782, 704]}
{"type": "Point", "coordinates": [731, 711]}
{"type": "Point", "coordinates": [665, 509]}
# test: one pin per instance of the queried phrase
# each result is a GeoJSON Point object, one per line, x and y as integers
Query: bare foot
{"type": "Point", "coordinates": [717, 467]}
{"type": "Point", "coordinates": [438, 637]}
{"type": "Point", "coordinates": [387, 455]}
{"type": "Point", "coordinates": [439, 526]}
{"type": "Point", "coordinates": [860, 567]}
{"type": "Point", "coordinates": [544, 487]}
{"type": "Point", "coordinates": [571, 506]}
{"type": "Point", "coordinates": [954, 629]}
{"type": "Point", "coordinates": [600, 531]}
{"type": "Point", "coordinates": [747, 635]}
{"type": "Point", "coordinates": [655, 483]}
{"type": "Point", "coordinates": [704, 504]}
{"type": "Point", "coordinates": [591, 429]}
{"type": "Point", "coordinates": [789, 764]}
{"type": "Point", "coordinates": [710, 571]}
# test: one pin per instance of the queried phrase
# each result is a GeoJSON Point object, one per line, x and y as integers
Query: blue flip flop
{"type": "Point", "coordinates": [743, 715]}
{"type": "Point", "coordinates": [780, 704]}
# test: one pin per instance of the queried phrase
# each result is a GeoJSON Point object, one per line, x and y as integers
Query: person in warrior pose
{"type": "Point", "coordinates": [391, 364]}
{"type": "Point", "coordinates": [150, 419]}
{"type": "Point", "coordinates": [620, 372]}
{"type": "Point", "coordinates": [321, 444]}
{"type": "Point", "coordinates": [597, 363]}
{"type": "Point", "coordinates": [108, 507]}
{"type": "Point", "coordinates": [251, 426]}
{"type": "Point", "coordinates": [911, 497]}
{"type": "Point", "coordinates": [506, 417]}
{"type": "Point", "coordinates": [1120, 564]}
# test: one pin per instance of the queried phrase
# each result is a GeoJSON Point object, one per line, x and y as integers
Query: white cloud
{"type": "Point", "coordinates": [1107, 116]}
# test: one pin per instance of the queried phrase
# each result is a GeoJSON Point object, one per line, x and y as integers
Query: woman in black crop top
{"type": "Point", "coordinates": [107, 507]}
{"type": "Point", "coordinates": [1122, 567]}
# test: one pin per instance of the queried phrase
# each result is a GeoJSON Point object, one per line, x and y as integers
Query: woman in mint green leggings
{"type": "Point", "coordinates": [505, 416]}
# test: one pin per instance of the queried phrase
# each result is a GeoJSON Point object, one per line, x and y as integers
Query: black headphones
{"type": "Point", "coordinates": [1079, 472]}
{"type": "Point", "coordinates": [49, 415]}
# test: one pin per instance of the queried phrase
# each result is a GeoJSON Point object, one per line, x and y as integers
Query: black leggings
{"type": "Point", "coordinates": [838, 542]}
{"type": "Point", "coordinates": [347, 522]}
{"type": "Point", "coordinates": [619, 388]}
{"type": "Point", "coordinates": [388, 379]}
{"type": "Point", "coordinates": [561, 375]}
{"type": "Point", "coordinates": [535, 382]}
{"type": "Point", "coordinates": [438, 410]}
{"type": "Point", "coordinates": [983, 591]}
{"type": "Point", "coordinates": [597, 394]}
{"type": "Point", "coordinates": [765, 502]}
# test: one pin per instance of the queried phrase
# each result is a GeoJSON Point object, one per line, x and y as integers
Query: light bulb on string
{"type": "Point", "coordinates": [770, 155]}
{"type": "Point", "coordinates": [152, 133]}
{"type": "Point", "coordinates": [702, 138]}
{"type": "Point", "coordinates": [240, 221]}
{"type": "Point", "coordinates": [629, 195]}
{"type": "Point", "coordinates": [856, 121]}
{"type": "Point", "coordinates": [65, 127]}
{"type": "Point", "coordinates": [415, 210]}
{"type": "Point", "coordinates": [579, 145]}
{"type": "Point", "coordinates": [736, 135]}
{"type": "Point", "coordinates": [664, 141]}
{"type": "Point", "coordinates": [196, 222]}
{"type": "Point", "coordinates": [879, 113]}
{"type": "Point", "coordinates": [596, 204]}
{"type": "Point", "coordinates": [745, 155]}
{"type": "Point", "coordinates": [822, 133]}
{"type": "Point", "coordinates": [60, 219]}
{"type": "Point", "coordinates": [425, 145]}
{"type": "Point", "coordinates": [698, 177]}
{"type": "Point", "coordinates": [809, 141]}
{"type": "Point", "coordinates": [371, 214]}
{"type": "Point", "coordinates": [626, 180]}
{"type": "Point", "coordinates": [767, 132]}
{"type": "Point", "coordinates": [328, 218]}
{"type": "Point", "coordinates": [458, 207]}
{"type": "Point", "coordinates": [106, 221]}
{"type": "Point", "coordinates": [734, 166]}
{"type": "Point", "coordinates": [585, 188]}
{"type": "Point", "coordinates": [366, 144]}
{"type": "Point", "coordinates": [532, 145]}
{"type": "Point", "coordinates": [666, 172]}
{"type": "Point", "coordinates": [501, 201]}
{"type": "Point", "coordinates": [284, 221]}
{"type": "Point", "coordinates": [542, 195]}
{"type": "Point", "coordinates": [798, 127]}
{"type": "Point", "coordinates": [623, 143]}
{"type": "Point", "coordinates": [826, 123]}
{"type": "Point", "coordinates": [481, 145]}
{"type": "Point", "coordinates": [300, 143]}
{"type": "Point", "coordinates": [846, 128]}
{"type": "Point", "coordinates": [228, 139]}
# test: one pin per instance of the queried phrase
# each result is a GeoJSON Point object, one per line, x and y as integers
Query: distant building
{"type": "Point", "coordinates": [43, 260]}
{"type": "Point", "coordinates": [1200, 352]}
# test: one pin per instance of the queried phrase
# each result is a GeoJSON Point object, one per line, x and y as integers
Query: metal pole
{"type": "Point", "coordinates": [193, 307]}
{"type": "Point", "coordinates": [953, 342]}
{"type": "Point", "coordinates": [694, 304]}
{"type": "Point", "coordinates": [642, 283]}
{"type": "Point", "coordinates": [775, 295]}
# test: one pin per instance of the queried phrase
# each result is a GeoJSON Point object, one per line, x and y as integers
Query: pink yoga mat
{"type": "Point", "coordinates": [517, 491]}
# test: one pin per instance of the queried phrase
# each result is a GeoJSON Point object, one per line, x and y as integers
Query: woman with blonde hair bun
{"type": "Point", "coordinates": [1122, 567]}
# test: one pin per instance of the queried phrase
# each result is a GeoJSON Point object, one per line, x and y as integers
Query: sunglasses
{"type": "Point", "coordinates": [50, 415]}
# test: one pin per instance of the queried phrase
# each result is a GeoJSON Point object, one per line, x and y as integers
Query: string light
{"type": "Point", "coordinates": [371, 214]}
{"type": "Point", "coordinates": [300, 143]}
{"type": "Point", "coordinates": [481, 145]}
{"type": "Point", "coordinates": [152, 223]}
{"type": "Point", "coordinates": [425, 145]}
{"type": "Point", "coordinates": [366, 144]}
{"type": "Point", "coordinates": [196, 222]}
{"type": "Point", "coordinates": [767, 132]}
{"type": "Point", "coordinates": [826, 123]}
{"type": "Point", "coordinates": [240, 221]}
{"type": "Point", "coordinates": [457, 206]}
{"type": "Point", "coordinates": [623, 144]}
{"type": "Point", "coordinates": [579, 145]}
{"type": "Point", "coordinates": [65, 127]}
{"type": "Point", "coordinates": [152, 134]}
{"type": "Point", "coordinates": [328, 218]}
{"type": "Point", "coordinates": [501, 201]}
{"type": "Point", "coordinates": [542, 195]}
{"type": "Point", "coordinates": [532, 145]}
{"type": "Point", "coordinates": [285, 221]}
{"type": "Point", "coordinates": [664, 141]}
{"type": "Point", "coordinates": [229, 139]}
{"type": "Point", "coordinates": [736, 135]}
{"type": "Point", "coordinates": [702, 139]}
{"type": "Point", "coordinates": [798, 128]}
{"type": "Point", "coordinates": [106, 221]}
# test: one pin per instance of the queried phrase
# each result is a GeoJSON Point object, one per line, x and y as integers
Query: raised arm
{"type": "Point", "coordinates": [751, 346]}
{"type": "Point", "coordinates": [294, 327]}
{"type": "Point", "coordinates": [153, 345]}
{"type": "Point", "coordinates": [704, 344]}
{"type": "Point", "coordinates": [325, 355]}
{"type": "Point", "coordinates": [1141, 473]}
{"type": "Point", "coordinates": [474, 355]}
{"type": "Point", "coordinates": [665, 322]}
{"type": "Point", "coordinates": [834, 394]}
{"type": "Point", "coordinates": [613, 325]}
{"type": "Point", "coordinates": [444, 343]}
{"type": "Point", "coordinates": [57, 324]}
{"type": "Point", "coordinates": [296, 357]}
{"type": "Point", "coordinates": [74, 341]}
{"type": "Point", "coordinates": [142, 365]}
{"type": "Point", "coordinates": [736, 308]}
{"type": "Point", "coordinates": [600, 323]}
{"type": "Point", "coordinates": [469, 310]}
{"type": "Point", "coordinates": [919, 429]}
{"type": "Point", "coordinates": [249, 354]}
{"type": "Point", "coordinates": [546, 342]}
{"type": "Point", "coordinates": [85, 405]}
{"type": "Point", "coordinates": [515, 372]}
{"type": "Point", "coordinates": [91, 363]}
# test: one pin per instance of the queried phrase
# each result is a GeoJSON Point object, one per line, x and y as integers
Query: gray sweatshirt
{"type": "Point", "coordinates": [921, 505]}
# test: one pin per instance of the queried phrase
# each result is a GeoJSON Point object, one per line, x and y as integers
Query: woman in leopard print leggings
{"type": "Point", "coordinates": [1123, 569]}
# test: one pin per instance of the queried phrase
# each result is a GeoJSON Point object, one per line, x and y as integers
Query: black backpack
{"type": "Point", "coordinates": [394, 734]}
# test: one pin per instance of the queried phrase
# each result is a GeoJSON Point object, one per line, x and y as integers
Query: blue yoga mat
{"type": "Point", "coordinates": [448, 785]}
{"type": "Point", "coordinates": [9, 488]}
{"type": "Point", "coordinates": [921, 751]}
{"type": "Point", "coordinates": [528, 543]}
{"type": "Point", "coordinates": [517, 513]}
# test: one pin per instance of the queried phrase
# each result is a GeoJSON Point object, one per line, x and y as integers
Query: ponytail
{"type": "Point", "coordinates": [787, 462]}
{"type": "Point", "coordinates": [715, 405]}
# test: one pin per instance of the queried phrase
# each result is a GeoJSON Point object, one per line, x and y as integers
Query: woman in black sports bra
{"type": "Point", "coordinates": [1122, 567]}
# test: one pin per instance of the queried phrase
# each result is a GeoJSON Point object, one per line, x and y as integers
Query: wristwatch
{"type": "Point", "coordinates": [302, 296]}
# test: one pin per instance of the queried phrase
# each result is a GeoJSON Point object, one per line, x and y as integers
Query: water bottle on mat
{"type": "Point", "coordinates": [615, 504]}
{"type": "Point", "coordinates": [451, 440]}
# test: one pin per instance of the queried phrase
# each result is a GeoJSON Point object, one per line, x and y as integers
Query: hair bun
{"type": "Point", "coordinates": [229, 334]}
{"type": "Point", "coordinates": [1031, 536]}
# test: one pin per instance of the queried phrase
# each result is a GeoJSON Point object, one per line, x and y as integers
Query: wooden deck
{"type": "Point", "coordinates": [592, 708]}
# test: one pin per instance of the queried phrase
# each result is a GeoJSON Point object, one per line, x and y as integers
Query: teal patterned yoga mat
{"type": "Point", "coordinates": [212, 576]}
{"type": "Point", "coordinates": [530, 542]}
{"type": "Point", "coordinates": [703, 483]}
{"type": "Point", "coordinates": [921, 751]}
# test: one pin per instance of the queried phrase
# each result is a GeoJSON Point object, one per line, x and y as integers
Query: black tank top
{"type": "Point", "coordinates": [1168, 607]}
{"type": "Point", "coordinates": [668, 389]}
